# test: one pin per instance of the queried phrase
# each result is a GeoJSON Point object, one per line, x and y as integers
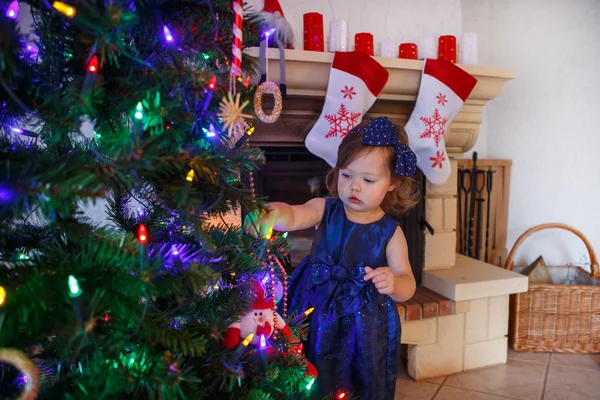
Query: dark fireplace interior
{"type": "Point", "coordinates": [294, 175]}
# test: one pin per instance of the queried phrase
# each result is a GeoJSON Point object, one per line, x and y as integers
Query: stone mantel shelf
{"type": "Point", "coordinates": [473, 279]}
{"type": "Point", "coordinates": [307, 76]}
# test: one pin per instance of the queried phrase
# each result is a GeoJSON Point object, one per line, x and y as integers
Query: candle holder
{"type": "Point", "coordinates": [313, 32]}
{"type": "Point", "coordinates": [468, 48]}
{"type": "Point", "coordinates": [447, 48]}
{"type": "Point", "coordinates": [363, 42]}
{"type": "Point", "coordinates": [388, 49]}
{"type": "Point", "coordinates": [338, 35]}
{"type": "Point", "coordinates": [408, 51]}
{"type": "Point", "coordinates": [426, 48]}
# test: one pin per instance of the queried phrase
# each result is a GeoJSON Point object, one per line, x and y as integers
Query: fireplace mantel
{"type": "Point", "coordinates": [307, 75]}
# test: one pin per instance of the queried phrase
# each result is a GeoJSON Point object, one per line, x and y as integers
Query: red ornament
{"type": "Point", "coordinates": [93, 65]}
{"type": "Point", "coordinates": [447, 48]}
{"type": "Point", "coordinates": [313, 32]}
{"type": "Point", "coordinates": [408, 51]}
{"type": "Point", "coordinates": [142, 234]}
{"type": "Point", "coordinates": [363, 42]}
{"type": "Point", "coordinates": [212, 84]}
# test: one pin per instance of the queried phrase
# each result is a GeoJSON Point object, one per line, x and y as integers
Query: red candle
{"type": "Point", "coordinates": [408, 50]}
{"type": "Point", "coordinates": [447, 48]}
{"type": "Point", "coordinates": [313, 32]}
{"type": "Point", "coordinates": [363, 42]}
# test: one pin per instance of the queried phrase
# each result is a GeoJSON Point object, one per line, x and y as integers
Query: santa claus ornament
{"type": "Point", "coordinates": [257, 326]}
{"type": "Point", "coordinates": [260, 321]}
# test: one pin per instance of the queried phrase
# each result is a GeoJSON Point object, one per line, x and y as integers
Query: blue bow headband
{"type": "Point", "coordinates": [381, 132]}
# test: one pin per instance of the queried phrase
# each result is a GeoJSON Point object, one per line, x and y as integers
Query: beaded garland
{"type": "Point", "coordinates": [264, 88]}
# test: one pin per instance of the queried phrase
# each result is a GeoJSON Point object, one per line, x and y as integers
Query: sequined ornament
{"type": "Point", "coordinates": [265, 88]}
{"type": "Point", "coordinates": [21, 362]}
{"type": "Point", "coordinates": [232, 115]}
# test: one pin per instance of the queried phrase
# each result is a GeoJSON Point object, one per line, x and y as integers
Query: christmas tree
{"type": "Point", "coordinates": [132, 106]}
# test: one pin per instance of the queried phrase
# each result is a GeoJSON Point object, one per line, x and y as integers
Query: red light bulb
{"type": "Point", "coordinates": [93, 65]}
{"type": "Point", "coordinates": [212, 84]}
{"type": "Point", "coordinates": [142, 234]}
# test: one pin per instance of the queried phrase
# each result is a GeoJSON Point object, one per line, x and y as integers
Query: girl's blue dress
{"type": "Point", "coordinates": [354, 337]}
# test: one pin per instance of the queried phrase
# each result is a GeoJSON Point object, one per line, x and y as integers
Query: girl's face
{"type": "Point", "coordinates": [363, 184]}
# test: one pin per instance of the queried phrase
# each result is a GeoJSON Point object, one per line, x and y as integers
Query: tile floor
{"type": "Point", "coordinates": [526, 376]}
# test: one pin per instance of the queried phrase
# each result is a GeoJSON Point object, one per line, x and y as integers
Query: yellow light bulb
{"type": "Point", "coordinates": [248, 339]}
{"type": "Point", "coordinates": [2, 296]}
{"type": "Point", "coordinates": [190, 176]}
{"type": "Point", "coordinates": [64, 9]}
{"type": "Point", "coordinates": [250, 131]}
{"type": "Point", "coordinates": [307, 312]}
{"type": "Point", "coordinates": [269, 234]}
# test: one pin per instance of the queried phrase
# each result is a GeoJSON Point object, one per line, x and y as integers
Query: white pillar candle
{"type": "Point", "coordinates": [389, 49]}
{"type": "Point", "coordinates": [338, 35]}
{"type": "Point", "coordinates": [426, 47]}
{"type": "Point", "coordinates": [468, 48]}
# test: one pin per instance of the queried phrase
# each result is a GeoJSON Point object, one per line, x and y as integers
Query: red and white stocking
{"type": "Point", "coordinates": [443, 90]}
{"type": "Point", "coordinates": [355, 81]}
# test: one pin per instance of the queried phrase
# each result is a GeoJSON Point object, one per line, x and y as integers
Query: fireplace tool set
{"type": "Point", "coordinates": [474, 189]}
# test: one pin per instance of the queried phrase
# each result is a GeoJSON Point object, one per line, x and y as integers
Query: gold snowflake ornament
{"type": "Point", "coordinates": [232, 115]}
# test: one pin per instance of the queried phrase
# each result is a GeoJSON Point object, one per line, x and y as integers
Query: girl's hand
{"type": "Point", "coordinates": [260, 224]}
{"type": "Point", "coordinates": [382, 277]}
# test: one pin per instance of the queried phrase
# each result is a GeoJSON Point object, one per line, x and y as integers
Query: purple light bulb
{"type": "Point", "coordinates": [12, 11]}
{"type": "Point", "coordinates": [263, 342]}
{"type": "Point", "coordinates": [167, 33]}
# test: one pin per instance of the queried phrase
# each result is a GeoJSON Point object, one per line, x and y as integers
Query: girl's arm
{"type": "Point", "coordinates": [397, 255]}
{"type": "Point", "coordinates": [284, 218]}
{"type": "Point", "coordinates": [295, 218]}
{"type": "Point", "coordinates": [396, 280]}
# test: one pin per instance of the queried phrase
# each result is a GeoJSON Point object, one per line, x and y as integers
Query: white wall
{"type": "Point", "coordinates": [547, 120]}
{"type": "Point", "coordinates": [399, 20]}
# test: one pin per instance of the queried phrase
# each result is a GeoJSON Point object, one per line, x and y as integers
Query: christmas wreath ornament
{"type": "Point", "coordinates": [21, 362]}
{"type": "Point", "coordinates": [263, 88]}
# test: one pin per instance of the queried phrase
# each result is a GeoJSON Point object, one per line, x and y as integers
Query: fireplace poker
{"type": "Point", "coordinates": [470, 238]}
{"type": "Point", "coordinates": [461, 177]}
{"type": "Point", "coordinates": [480, 200]}
{"type": "Point", "coordinates": [465, 188]}
{"type": "Point", "coordinates": [488, 184]}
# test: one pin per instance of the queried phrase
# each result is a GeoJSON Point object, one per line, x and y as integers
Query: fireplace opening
{"type": "Point", "coordinates": [294, 175]}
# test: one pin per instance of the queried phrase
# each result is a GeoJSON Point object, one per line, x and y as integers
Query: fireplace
{"type": "Point", "coordinates": [471, 333]}
{"type": "Point", "coordinates": [293, 175]}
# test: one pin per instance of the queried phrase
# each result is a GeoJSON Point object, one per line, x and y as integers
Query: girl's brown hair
{"type": "Point", "coordinates": [398, 201]}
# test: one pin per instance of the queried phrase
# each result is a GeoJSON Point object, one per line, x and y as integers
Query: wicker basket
{"type": "Point", "coordinates": [562, 317]}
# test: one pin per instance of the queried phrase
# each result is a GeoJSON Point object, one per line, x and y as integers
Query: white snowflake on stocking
{"type": "Point", "coordinates": [434, 127]}
{"type": "Point", "coordinates": [438, 160]}
{"type": "Point", "coordinates": [342, 122]}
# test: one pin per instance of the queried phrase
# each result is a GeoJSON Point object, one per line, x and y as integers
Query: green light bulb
{"type": "Point", "coordinates": [74, 289]}
{"type": "Point", "coordinates": [139, 109]}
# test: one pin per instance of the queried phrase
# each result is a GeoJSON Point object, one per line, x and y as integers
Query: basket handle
{"type": "Point", "coordinates": [593, 260]}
